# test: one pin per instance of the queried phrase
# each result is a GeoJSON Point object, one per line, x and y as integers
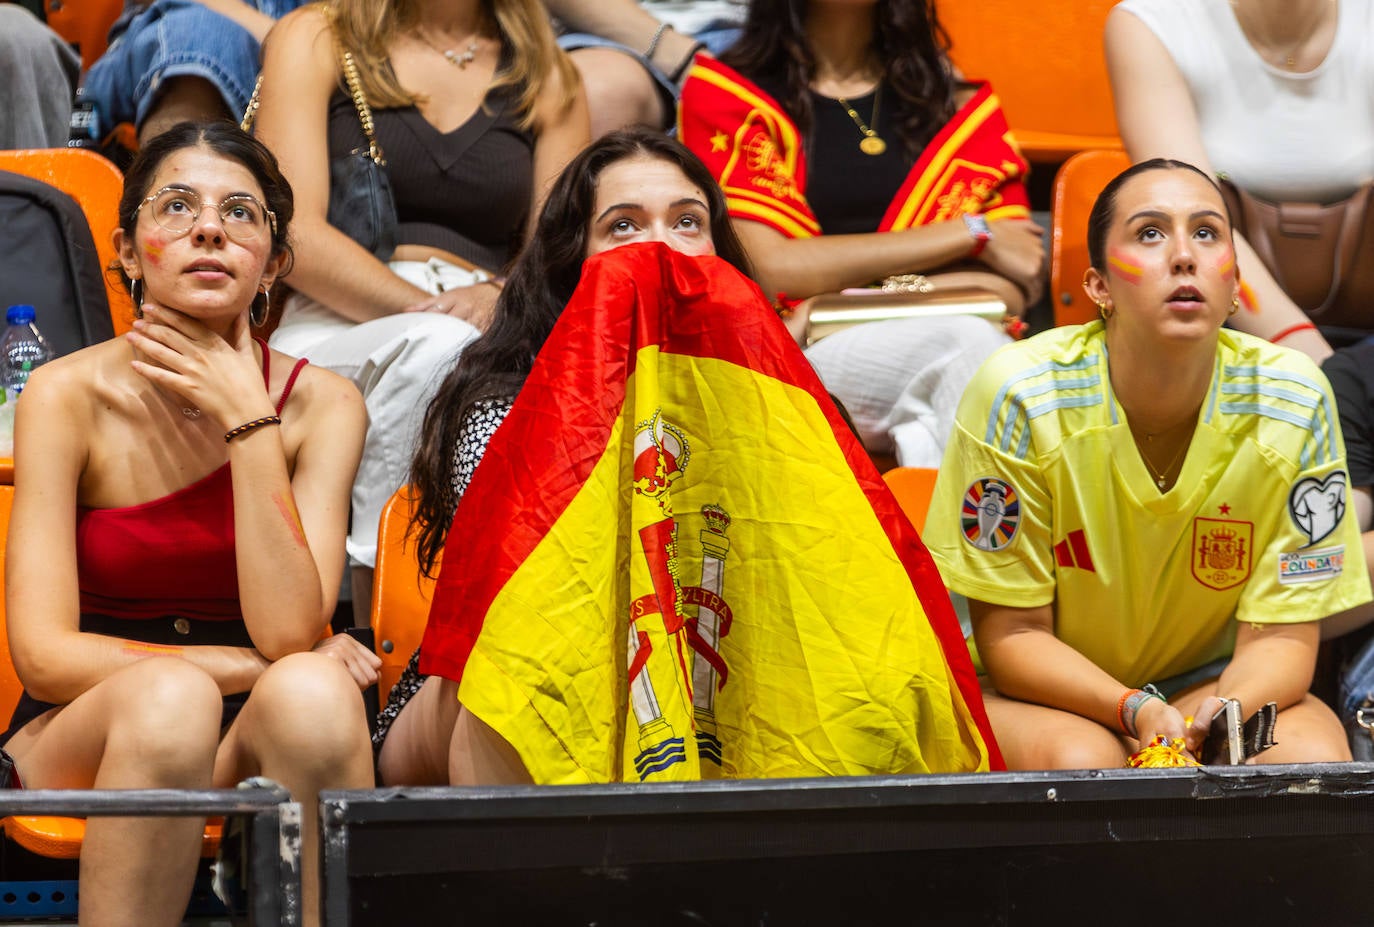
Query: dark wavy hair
{"type": "Point", "coordinates": [1104, 207]}
{"type": "Point", "coordinates": [540, 283]}
{"type": "Point", "coordinates": [227, 140]}
{"type": "Point", "coordinates": [908, 41]}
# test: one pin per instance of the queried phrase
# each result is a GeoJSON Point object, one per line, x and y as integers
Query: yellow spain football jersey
{"type": "Point", "coordinates": [1043, 498]}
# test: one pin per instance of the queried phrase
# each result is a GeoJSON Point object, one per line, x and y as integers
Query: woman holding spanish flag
{"type": "Point", "coordinates": [850, 152]}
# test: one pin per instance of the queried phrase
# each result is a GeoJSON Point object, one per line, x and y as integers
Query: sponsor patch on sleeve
{"type": "Point", "coordinates": [1308, 566]}
{"type": "Point", "coordinates": [991, 514]}
{"type": "Point", "coordinates": [1317, 506]}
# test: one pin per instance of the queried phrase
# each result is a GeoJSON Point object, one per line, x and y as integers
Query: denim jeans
{"type": "Point", "coordinates": [174, 38]}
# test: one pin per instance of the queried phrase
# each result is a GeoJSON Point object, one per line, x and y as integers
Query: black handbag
{"type": "Point", "coordinates": [361, 204]}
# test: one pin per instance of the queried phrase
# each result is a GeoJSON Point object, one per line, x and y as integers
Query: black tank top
{"type": "Point", "coordinates": [847, 190]}
{"type": "Point", "coordinates": [467, 191]}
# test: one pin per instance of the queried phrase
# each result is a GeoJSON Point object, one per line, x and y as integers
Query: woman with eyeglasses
{"type": "Point", "coordinates": [181, 501]}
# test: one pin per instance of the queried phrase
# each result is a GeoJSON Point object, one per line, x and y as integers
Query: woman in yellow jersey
{"type": "Point", "coordinates": [1149, 499]}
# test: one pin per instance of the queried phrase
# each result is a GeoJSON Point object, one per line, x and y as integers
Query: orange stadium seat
{"type": "Point", "coordinates": [400, 592]}
{"type": "Point", "coordinates": [912, 486]}
{"type": "Point", "coordinates": [84, 23]}
{"type": "Point", "coordinates": [96, 184]}
{"type": "Point", "coordinates": [1076, 186]}
{"type": "Point", "coordinates": [53, 837]}
{"type": "Point", "coordinates": [1046, 62]}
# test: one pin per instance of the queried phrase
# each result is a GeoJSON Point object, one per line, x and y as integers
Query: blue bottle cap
{"type": "Point", "coordinates": [20, 314]}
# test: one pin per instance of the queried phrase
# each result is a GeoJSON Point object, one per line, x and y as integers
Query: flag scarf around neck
{"type": "Point", "coordinates": [676, 562]}
{"type": "Point", "coordinates": [756, 153]}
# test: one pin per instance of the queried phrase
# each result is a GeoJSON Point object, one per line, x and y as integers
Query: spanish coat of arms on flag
{"type": "Point", "coordinates": [676, 562]}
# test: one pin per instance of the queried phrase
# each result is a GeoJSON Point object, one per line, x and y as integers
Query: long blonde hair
{"type": "Point", "coordinates": [367, 27]}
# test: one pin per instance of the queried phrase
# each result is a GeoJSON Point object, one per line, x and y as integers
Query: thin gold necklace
{"type": "Point", "coordinates": [1290, 59]}
{"type": "Point", "coordinates": [459, 60]}
{"type": "Point", "coordinates": [1161, 476]}
{"type": "Point", "coordinates": [872, 144]}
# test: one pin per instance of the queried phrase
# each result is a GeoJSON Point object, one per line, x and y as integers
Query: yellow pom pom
{"type": "Point", "coordinates": [1161, 753]}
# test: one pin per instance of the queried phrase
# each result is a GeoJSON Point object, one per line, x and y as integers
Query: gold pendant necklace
{"type": "Point", "coordinates": [872, 144]}
{"type": "Point", "coordinates": [1161, 476]}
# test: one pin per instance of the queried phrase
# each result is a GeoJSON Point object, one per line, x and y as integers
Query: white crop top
{"type": "Point", "coordinates": [1278, 134]}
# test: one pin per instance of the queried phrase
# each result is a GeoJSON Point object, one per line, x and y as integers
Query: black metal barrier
{"type": "Point", "coordinates": [1267, 845]}
{"type": "Point", "coordinates": [264, 856]}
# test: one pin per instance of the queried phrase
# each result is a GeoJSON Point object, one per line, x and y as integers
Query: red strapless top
{"type": "Point", "coordinates": [170, 556]}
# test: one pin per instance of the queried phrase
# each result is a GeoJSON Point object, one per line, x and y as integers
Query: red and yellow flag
{"type": "Point", "coordinates": [676, 562]}
{"type": "Point", "coordinates": [756, 153]}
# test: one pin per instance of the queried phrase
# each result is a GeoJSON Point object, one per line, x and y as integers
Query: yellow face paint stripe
{"type": "Point", "coordinates": [1127, 270]}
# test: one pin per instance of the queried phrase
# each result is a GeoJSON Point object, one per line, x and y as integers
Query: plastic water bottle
{"type": "Point", "coordinates": [22, 350]}
{"type": "Point", "coordinates": [6, 425]}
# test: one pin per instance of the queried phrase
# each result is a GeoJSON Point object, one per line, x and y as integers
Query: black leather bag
{"type": "Point", "coordinates": [361, 204]}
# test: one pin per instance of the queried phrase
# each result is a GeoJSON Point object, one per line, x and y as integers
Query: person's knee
{"type": "Point", "coordinates": [168, 711]}
{"type": "Point", "coordinates": [308, 706]}
{"type": "Point", "coordinates": [1096, 752]}
{"type": "Point", "coordinates": [620, 92]}
{"type": "Point", "coordinates": [1061, 743]}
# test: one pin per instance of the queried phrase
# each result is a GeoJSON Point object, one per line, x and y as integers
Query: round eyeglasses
{"type": "Point", "coordinates": [242, 215]}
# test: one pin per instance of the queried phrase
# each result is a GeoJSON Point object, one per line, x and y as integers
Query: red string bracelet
{"type": "Point", "coordinates": [246, 427]}
{"type": "Point", "coordinates": [1292, 330]}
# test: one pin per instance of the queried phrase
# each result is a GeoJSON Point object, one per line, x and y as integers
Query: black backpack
{"type": "Point", "coordinates": [48, 259]}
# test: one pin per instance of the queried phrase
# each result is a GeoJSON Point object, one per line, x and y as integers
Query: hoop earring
{"type": "Point", "coordinates": [257, 313]}
{"type": "Point", "coordinates": [1105, 311]}
{"type": "Point", "coordinates": [136, 294]}
{"type": "Point", "coordinates": [1235, 305]}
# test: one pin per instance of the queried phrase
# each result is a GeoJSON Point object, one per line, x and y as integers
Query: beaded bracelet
{"type": "Point", "coordinates": [246, 427]}
{"type": "Point", "coordinates": [1130, 703]}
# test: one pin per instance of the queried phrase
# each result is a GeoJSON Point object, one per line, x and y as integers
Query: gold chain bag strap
{"type": "Point", "coordinates": [361, 203]}
{"type": "Point", "coordinates": [1322, 255]}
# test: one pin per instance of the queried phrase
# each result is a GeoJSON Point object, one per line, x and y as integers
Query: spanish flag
{"type": "Point", "coordinates": [676, 562]}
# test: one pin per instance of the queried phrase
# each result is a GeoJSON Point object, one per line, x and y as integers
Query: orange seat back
{"type": "Point", "coordinates": [60, 838]}
{"type": "Point", "coordinates": [1076, 187]}
{"type": "Point", "coordinates": [1045, 61]}
{"type": "Point", "coordinates": [10, 687]}
{"type": "Point", "coordinates": [912, 486]}
{"type": "Point", "coordinates": [401, 594]}
{"type": "Point", "coordinates": [96, 184]}
{"type": "Point", "coordinates": [84, 23]}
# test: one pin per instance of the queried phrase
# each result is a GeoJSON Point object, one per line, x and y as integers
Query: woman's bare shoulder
{"type": "Point", "coordinates": [307, 21]}
{"type": "Point", "coordinates": [87, 371]}
{"type": "Point", "coordinates": [315, 388]}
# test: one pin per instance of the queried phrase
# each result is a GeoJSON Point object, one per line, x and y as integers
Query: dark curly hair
{"type": "Point", "coordinates": [227, 140]}
{"type": "Point", "coordinates": [908, 41]}
{"type": "Point", "coordinates": [540, 283]}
